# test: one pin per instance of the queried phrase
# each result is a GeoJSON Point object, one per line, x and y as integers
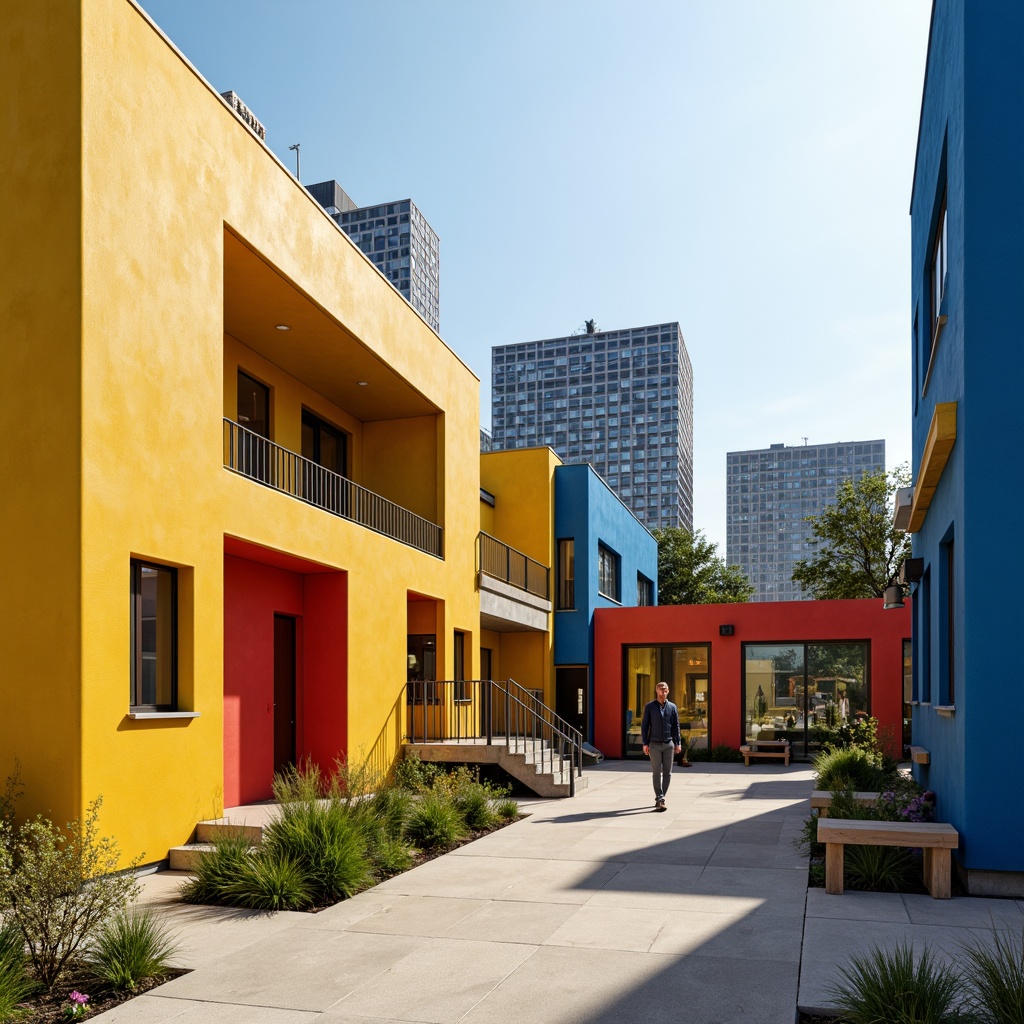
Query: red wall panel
{"type": "Point", "coordinates": [763, 622]}
{"type": "Point", "coordinates": [254, 592]}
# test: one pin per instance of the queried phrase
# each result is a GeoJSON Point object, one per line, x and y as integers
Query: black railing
{"type": "Point", "coordinates": [489, 711]}
{"type": "Point", "coordinates": [497, 559]}
{"type": "Point", "coordinates": [253, 456]}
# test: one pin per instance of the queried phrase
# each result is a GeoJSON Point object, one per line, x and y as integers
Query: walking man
{"type": "Point", "coordinates": [659, 731]}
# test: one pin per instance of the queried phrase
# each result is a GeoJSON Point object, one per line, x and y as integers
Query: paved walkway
{"type": "Point", "coordinates": [590, 911]}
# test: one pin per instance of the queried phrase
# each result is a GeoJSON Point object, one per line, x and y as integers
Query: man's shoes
{"type": "Point", "coordinates": [660, 805]}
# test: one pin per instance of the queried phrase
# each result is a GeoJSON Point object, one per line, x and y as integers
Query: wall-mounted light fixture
{"type": "Point", "coordinates": [726, 630]}
{"type": "Point", "coordinates": [911, 571]}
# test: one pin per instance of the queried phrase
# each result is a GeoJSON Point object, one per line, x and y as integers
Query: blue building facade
{"type": "Point", "coordinates": [967, 217]}
{"type": "Point", "coordinates": [604, 558]}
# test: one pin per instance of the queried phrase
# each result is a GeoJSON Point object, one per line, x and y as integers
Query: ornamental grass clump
{"type": "Point", "coordinates": [473, 802]}
{"type": "Point", "coordinates": [507, 809]}
{"type": "Point", "coordinates": [435, 823]}
{"type": "Point", "coordinates": [15, 984]}
{"type": "Point", "coordinates": [327, 842]}
{"type": "Point", "coordinates": [879, 868]}
{"type": "Point", "coordinates": [851, 768]}
{"type": "Point", "coordinates": [131, 948]}
{"type": "Point", "coordinates": [274, 882]}
{"type": "Point", "coordinates": [217, 871]}
{"type": "Point", "coordinates": [994, 977]}
{"type": "Point", "coordinates": [891, 987]}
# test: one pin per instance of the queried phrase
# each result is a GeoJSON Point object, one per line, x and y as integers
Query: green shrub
{"type": "Point", "coordinates": [879, 868]}
{"type": "Point", "coordinates": [849, 768]}
{"type": "Point", "coordinates": [507, 809]}
{"type": "Point", "coordinates": [890, 987]}
{"type": "Point", "coordinates": [435, 823]}
{"type": "Point", "coordinates": [474, 804]}
{"type": "Point", "coordinates": [217, 871]}
{"type": "Point", "coordinates": [270, 881]}
{"type": "Point", "coordinates": [327, 840]}
{"type": "Point", "coordinates": [131, 947]}
{"type": "Point", "coordinates": [61, 885]}
{"type": "Point", "coordinates": [390, 855]}
{"type": "Point", "coordinates": [15, 984]}
{"type": "Point", "coordinates": [995, 978]}
{"type": "Point", "coordinates": [721, 753]}
{"type": "Point", "coordinates": [415, 775]}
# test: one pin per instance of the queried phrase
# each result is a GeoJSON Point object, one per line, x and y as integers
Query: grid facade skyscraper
{"type": "Point", "coordinates": [620, 400]}
{"type": "Point", "coordinates": [397, 238]}
{"type": "Point", "coordinates": [769, 494]}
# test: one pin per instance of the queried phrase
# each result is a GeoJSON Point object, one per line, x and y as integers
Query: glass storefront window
{"type": "Point", "coordinates": [803, 692]}
{"type": "Point", "coordinates": [686, 669]}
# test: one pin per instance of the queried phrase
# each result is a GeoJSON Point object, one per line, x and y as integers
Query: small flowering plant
{"type": "Point", "coordinates": [77, 1007]}
{"type": "Point", "coordinates": [894, 805]}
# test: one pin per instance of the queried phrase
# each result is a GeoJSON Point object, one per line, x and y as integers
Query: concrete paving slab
{"type": "Point", "coordinates": [610, 986]}
{"type": "Point", "coordinates": [621, 928]}
{"type": "Point", "coordinates": [859, 906]}
{"type": "Point", "coordinates": [754, 937]}
{"type": "Point", "coordinates": [417, 988]}
{"type": "Point", "coordinates": [965, 912]}
{"type": "Point", "coordinates": [301, 969]}
{"type": "Point", "coordinates": [344, 915]}
{"type": "Point", "coordinates": [154, 1009]}
{"type": "Point", "coordinates": [530, 923]}
{"type": "Point", "coordinates": [418, 915]}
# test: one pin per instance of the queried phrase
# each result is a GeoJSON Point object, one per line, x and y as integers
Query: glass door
{"type": "Point", "coordinates": [686, 669]}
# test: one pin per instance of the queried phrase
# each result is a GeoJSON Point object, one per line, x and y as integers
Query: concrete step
{"type": "Point", "coordinates": [187, 857]}
{"type": "Point", "coordinates": [221, 828]}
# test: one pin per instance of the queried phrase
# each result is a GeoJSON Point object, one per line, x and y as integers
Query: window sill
{"type": "Point", "coordinates": [946, 710]}
{"type": "Point", "coordinates": [914, 703]}
{"type": "Point", "coordinates": [149, 715]}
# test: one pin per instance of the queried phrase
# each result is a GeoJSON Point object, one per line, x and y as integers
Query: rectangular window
{"type": "Point", "coordinates": [607, 573]}
{"type": "Point", "coordinates": [566, 575]}
{"type": "Point", "coordinates": [459, 667]}
{"type": "Point", "coordinates": [154, 628]}
{"type": "Point", "coordinates": [947, 607]}
{"type": "Point", "coordinates": [644, 591]}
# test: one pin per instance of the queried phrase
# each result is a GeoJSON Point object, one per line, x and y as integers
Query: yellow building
{"type": "Point", "coordinates": [214, 405]}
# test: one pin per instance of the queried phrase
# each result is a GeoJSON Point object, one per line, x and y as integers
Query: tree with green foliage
{"type": "Point", "coordinates": [690, 571]}
{"type": "Point", "coordinates": [859, 550]}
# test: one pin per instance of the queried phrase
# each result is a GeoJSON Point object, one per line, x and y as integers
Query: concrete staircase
{"type": "Point", "coordinates": [528, 761]}
{"type": "Point", "coordinates": [186, 858]}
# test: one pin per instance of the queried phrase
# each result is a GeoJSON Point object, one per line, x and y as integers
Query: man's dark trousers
{"type": "Point", "coordinates": [661, 755]}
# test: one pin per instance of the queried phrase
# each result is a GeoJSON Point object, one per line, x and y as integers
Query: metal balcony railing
{"type": "Point", "coordinates": [496, 712]}
{"type": "Point", "coordinates": [253, 456]}
{"type": "Point", "coordinates": [505, 563]}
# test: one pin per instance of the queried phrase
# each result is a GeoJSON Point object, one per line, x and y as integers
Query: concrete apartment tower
{"type": "Point", "coordinates": [397, 238]}
{"type": "Point", "coordinates": [619, 400]}
{"type": "Point", "coordinates": [769, 494]}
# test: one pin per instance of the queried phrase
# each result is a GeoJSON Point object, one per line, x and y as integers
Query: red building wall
{"type": "Point", "coordinates": [760, 623]}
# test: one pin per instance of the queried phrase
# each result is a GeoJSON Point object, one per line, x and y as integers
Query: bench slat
{"type": "Point", "coordinates": [888, 833]}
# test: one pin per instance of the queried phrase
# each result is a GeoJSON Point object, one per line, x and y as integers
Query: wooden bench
{"type": "Point", "coordinates": [765, 748]}
{"type": "Point", "coordinates": [821, 800]}
{"type": "Point", "coordinates": [934, 838]}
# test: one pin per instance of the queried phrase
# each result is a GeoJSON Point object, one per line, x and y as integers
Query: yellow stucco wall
{"type": "Point", "coordinates": [40, 402]}
{"type": "Point", "coordinates": [135, 467]}
{"type": "Point", "coordinates": [523, 516]}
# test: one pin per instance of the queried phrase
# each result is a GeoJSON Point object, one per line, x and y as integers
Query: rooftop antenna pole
{"type": "Point", "coordinates": [298, 177]}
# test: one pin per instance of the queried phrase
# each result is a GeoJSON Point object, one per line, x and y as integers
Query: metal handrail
{"type": "Point", "coordinates": [467, 711]}
{"type": "Point", "coordinates": [253, 456]}
{"type": "Point", "coordinates": [503, 562]}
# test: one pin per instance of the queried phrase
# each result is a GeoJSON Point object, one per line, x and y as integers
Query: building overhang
{"type": "Point", "coordinates": [315, 349]}
{"type": "Point", "coordinates": [937, 447]}
{"type": "Point", "coordinates": [507, 609]}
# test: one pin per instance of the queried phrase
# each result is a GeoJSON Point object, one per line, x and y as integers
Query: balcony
{"type": "Point", "coordinates": [253, 456]}
{"type": "Point", "coordinates": [514, 588]}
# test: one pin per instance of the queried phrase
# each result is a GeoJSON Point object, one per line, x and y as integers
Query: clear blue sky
{"type": "Point", "coordinates": [741, 166]}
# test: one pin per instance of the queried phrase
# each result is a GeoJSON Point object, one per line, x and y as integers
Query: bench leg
{"type": "Point", "coordinates": [834, 869]}
{"type": "Point", "coordinates": [746, 760]}
{"type": "Point", "coordinates": [937, 873]}
{"type": "Point", "coordinates": [786, 762]}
